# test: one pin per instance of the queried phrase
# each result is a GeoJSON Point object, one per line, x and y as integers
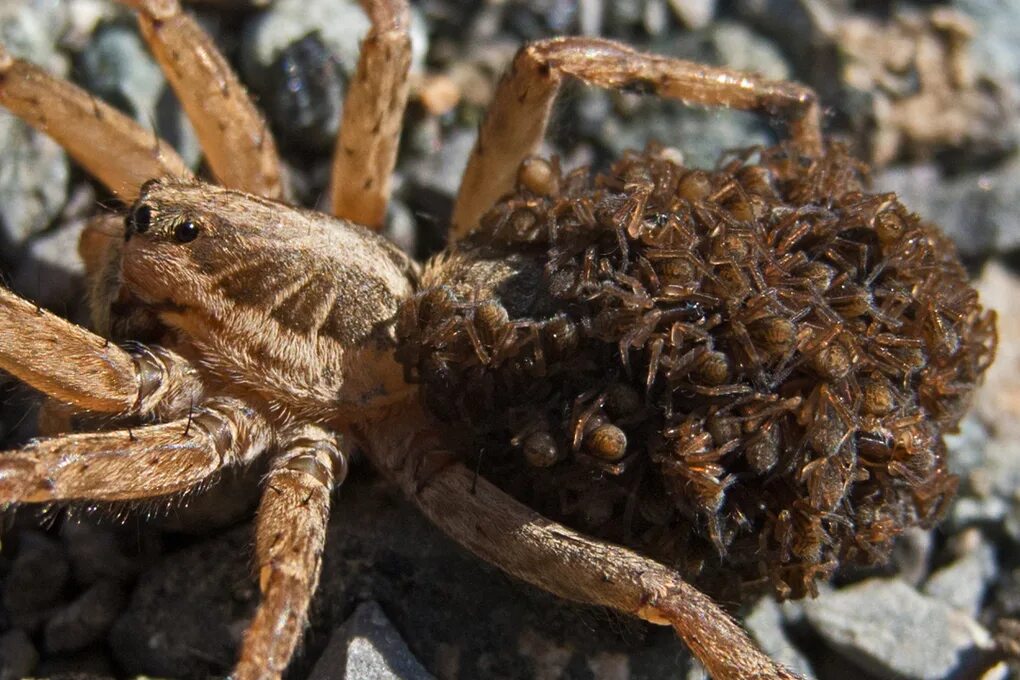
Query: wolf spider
{"type": "Point", "coordinates": [260, 329]}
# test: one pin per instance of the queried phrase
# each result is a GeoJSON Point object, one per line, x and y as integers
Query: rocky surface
{"type": "Point", "coordinates": [168, 591]}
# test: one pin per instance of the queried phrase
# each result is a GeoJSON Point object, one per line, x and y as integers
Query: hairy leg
{"type": "Point", "coordinates": [366, 149]}
{"type": "Point", "coordinates": [290, 535]}
{"type": "Point", "coordinates": [234, 136]}
{"type": "Point", "coordinates": [115, 149]}
{"type": "Point", "coordinates": [560, 560]}
{"type": "Point", "coordinates": [147, 462]}
{"type": "Point", "coordinates": [519, 113]}
{"type": "Point", "coordinates": [71, 364]}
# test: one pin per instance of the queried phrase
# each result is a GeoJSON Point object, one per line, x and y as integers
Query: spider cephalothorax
{"type": "Point", "coordinates": [752, 366]}
{"type": "Point", "coordinates": [670, 359]}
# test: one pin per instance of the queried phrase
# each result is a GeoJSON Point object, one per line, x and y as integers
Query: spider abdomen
{"type": "Point", "coordinates": [754, 365]}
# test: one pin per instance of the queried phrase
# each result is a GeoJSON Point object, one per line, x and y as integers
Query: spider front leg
{"type": "Point", "coordinates": [366, 149]}
{"type": "Point", "coordinates": [148, 462]}
{"type": "Point", "coordinates": [290, 535]}
{"type": "Point", "coordinates": [502, 531]}
{"type": "Point", "coordinates": [519, 113]}
{"type": "Point", "coordinates": [77, 367]}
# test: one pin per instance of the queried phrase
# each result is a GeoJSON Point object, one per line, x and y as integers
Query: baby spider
{"type": "Point", "coordinates": [748, 369]}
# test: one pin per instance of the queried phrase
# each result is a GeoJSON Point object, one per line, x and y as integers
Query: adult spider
{"type": "Point", "coordinates": [272, 330]}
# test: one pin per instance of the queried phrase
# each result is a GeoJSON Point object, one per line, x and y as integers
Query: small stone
{"type": "Point", "coordinates": [180, 621]}
{"type": "Point", "coordinates": [799, 25]}
{"type": "Point", "coordinates": [963, 582]}
{"type": "Point", "coordinates": [693, 13]}
{"type": "Point", "coordinates": [96, 553]}
{"type": "Point", "coordinates": [35, 171]}
{"type": "Point", "coordinates": [367, 647]}
{"type": "Point", "coordinates": [299, 55]}
{"type": "Point", "coordinates": [442, 171]}
{"type": "Point", "coordinates": [50, 274]}
{"type": "Point", "coordinates": [975, 209]}
{"type": "Point", "coordinates": [86, 620]}
{"type": "Point", "coordinates": [766, 623]}
{"type": "Point", "coordinates": [38, 574]}
{"type": "Point", "coordinates": [117, 67]}
{"type": "Point", "coordinates": [17, 655]}
{"type": "Point", "coordinates": [890, 629]}
{"type": "Point", "coordinates": [910, 555]}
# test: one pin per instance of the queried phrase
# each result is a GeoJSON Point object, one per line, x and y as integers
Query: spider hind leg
{"type": "Point", "coordinates": [519, 114]}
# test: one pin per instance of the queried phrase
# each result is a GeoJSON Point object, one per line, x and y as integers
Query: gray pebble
{"type": "Point", "coordinates": [38, 574]}
{"type": "Point", "coordinates": [766, 623]}
{"type": "Point", "coordinates": [693, 13]}
{"type": "Point", "coordinates": [890, 629]}
{"type": "Point", "coordinates": [85, 620]}
{"type": "Point", "coordinates": [50, 273]}
{"type": "Point", "coordinates": [367, 647]}
{"type": "Point", "coordinates": [442, 171]}
{"type": "Point", "coordinates": [976, 210]}
{"type": "Point", "coordinates": [801, 26]}
{"type": "Point", "coordinates": [997, 31]}
{"type": "Point", "coordinates": [731, 44]}
{"type": "Point", "coordinates": [17, 655]}
{"type": "Point", "coordinates": [963, 582]}
{"type": "Point", "coordinates": [34, 172]}
{"type": "Point", "coordinates": [117, 67]}
{"type": "Point", "coordinates": [910, 555]}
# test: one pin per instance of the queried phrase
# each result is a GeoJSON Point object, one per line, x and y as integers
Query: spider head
{"type": "Point", "coordinates": [172, 233]}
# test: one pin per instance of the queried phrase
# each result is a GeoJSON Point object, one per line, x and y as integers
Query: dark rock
{"type": "Point", "coordinates": [187, 615]}
{"type": "Point", "coordinates": [96, 553]}
{"type": "Point", "coordinates": [37, 576]}
{"type": "Point", "coordinates": [299, 55]}
{"type": "Point", "coordinates": [17, 655]}
{"type": "Point", "coordinates": [86, 620]}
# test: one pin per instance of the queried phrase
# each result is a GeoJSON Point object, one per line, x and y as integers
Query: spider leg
{"type": "Point", "coordinates": [517, 118]}
{"type": "Point", "coordinates": [77, 367]}
{"type": "Point", "coordinates": [147, 462]}
{"type": "Point", "coordinates": [234, 136]}
{"type": "Point", "coordinates": [366, 149]}
{"type": "Point", "coordinates": [290, 535]}
{"type": "Point", "coordinates": [560, 560]}
{"type": "Point", "coordinates": [110, 145]}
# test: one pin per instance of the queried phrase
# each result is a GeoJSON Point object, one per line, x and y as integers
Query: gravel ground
{"type": "Point", "coordinates": [927, 92]}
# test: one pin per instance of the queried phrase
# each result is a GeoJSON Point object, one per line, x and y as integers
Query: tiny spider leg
{"type": "Point", "coordinates": [234, 136]}
{"type": "Point", "coordinates": [517, 118]}
{"type": "Point", "coordinates": [290, 536]}
{"type": "Point", "coordinates": [110, 145]}
{"type": "Point", "coordinates": [366, 149]}
{"type": "Point", "coordinates": [142, 463]}
{"type": "Point", "coordinates": [77, 367]}
{"type": "Point", "coordinates": [508, 534]}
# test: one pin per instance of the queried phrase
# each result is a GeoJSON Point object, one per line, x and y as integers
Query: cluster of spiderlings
{"type": "Point", "coordinates": [749, 368]}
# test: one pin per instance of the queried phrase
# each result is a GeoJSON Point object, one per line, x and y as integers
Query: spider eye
{"type": "Point", "coordinates": [186, 231]}
{"type": "Point", "coordinates": [140, 219]}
